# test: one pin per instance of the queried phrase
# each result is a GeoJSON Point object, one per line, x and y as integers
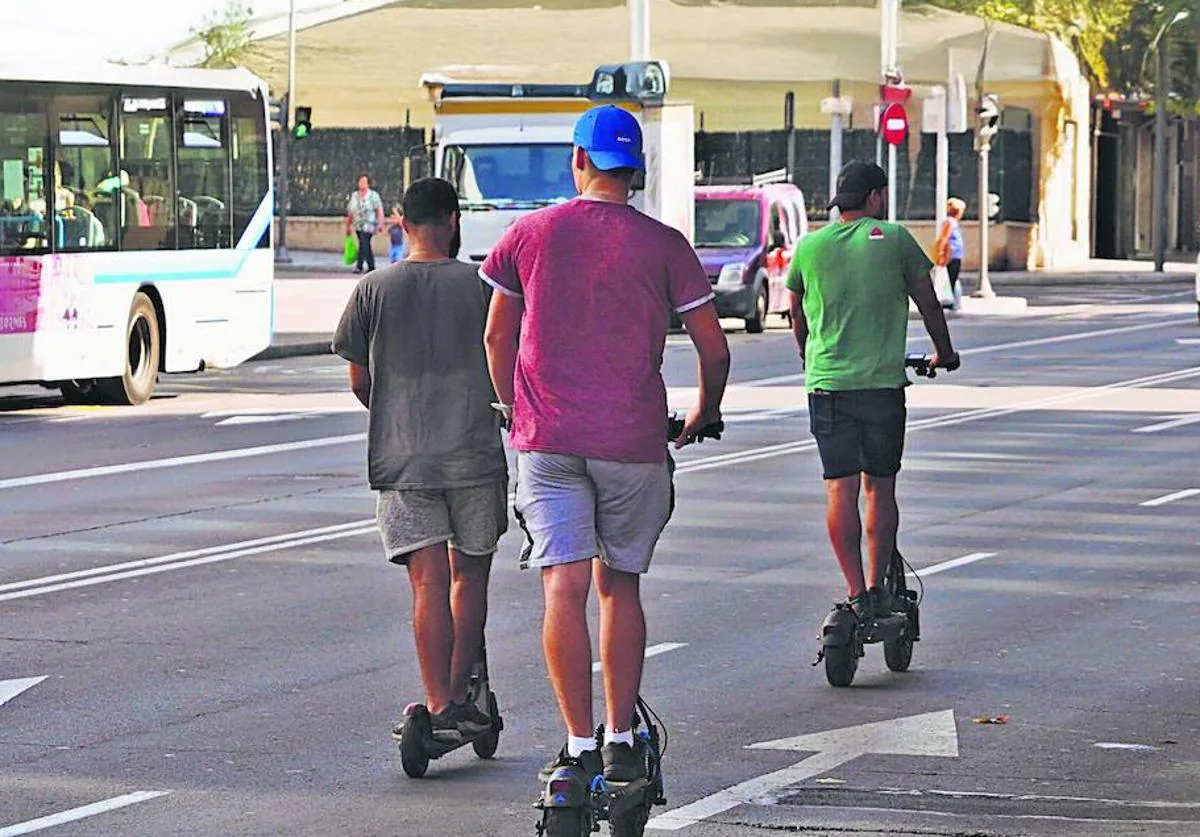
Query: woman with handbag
{"type": "Point", "coordinates": [364, 216]}
{"type": "Point", "coordinates": [948, 248]}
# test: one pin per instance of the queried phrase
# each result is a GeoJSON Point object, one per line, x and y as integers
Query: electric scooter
{"type": "Point", "coordinates": [574, 805]}
{"type": "Point", "coordinates": [420, 742]}
{"type": "Point", "coordinates": [844, 636]}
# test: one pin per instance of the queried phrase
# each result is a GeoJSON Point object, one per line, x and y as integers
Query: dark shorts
{"type": "Point", "coordinates": [858, 431]}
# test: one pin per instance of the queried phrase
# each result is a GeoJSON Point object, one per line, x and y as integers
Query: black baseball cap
{"type": "Point", "coordinates": [856, 180]}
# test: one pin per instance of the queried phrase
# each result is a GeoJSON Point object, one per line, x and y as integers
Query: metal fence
{"type": "Point", "coordinates": [326, 165]}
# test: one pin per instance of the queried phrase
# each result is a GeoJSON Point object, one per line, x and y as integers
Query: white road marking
{"type": "Point", "coordinates": [953, 563]}
{"type": "Point", "coordinates": [1135, 748]}
{"type": "Point", "coordinates": [175, 461]}
{"type": "Point", "coordinates": [9, 689]}
{"type": "Point", "coordinates": [1178, 421]}
{"type": "Point", "coordinates": [931, 734]}
{"type": "Point", "coordinates": [233, 421]}
{"type": "Point", "coordinates": [180, 560]}
{"type": "Point", "coordinates": [76, 814]}
{"type": "Point", "coordinates": [1171, 498]}
{"type": "Point", "coordinates": [651, 651]}
{"type": "Point", "coordinates": [1188, 341]}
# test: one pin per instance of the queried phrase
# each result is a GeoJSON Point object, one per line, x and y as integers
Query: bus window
{"type": "Point", "coordinates": [23, 154]}
{"type": "Point", "coordinates": [203, 152]}
{"type": "Point", "coordinates": [88, 208]}
{"type": "Point", "coordinates": [142, 187]}
{"type": "Point", "coordinates": [249, 162]}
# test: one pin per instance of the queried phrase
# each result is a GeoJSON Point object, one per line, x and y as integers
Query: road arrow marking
{"type": "Point", "coordinates": [931, 734]}
{"type": "Point", "coordinates": [9, 689]}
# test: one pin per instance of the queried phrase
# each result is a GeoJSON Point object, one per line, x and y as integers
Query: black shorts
{"type": "Point", "coordinates": [858, 431]}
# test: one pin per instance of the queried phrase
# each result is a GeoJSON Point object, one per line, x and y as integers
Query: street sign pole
{"type": "Point", "coordinates": [639, 30]}
{"type": "Point", "coordinates": [985, 283]}
{"type": "Point", "coordinates": [282, 256]}
{"type": "Point", "coordinates": [891, 184]}
{"type": "Point", "coordinates": [889, 11]}
{"type": "Point", "coordinates": [835, 142]}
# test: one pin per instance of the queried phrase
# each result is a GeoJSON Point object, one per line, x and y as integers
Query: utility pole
{"type": "Point", "coordinates": [639, 30]}
{"type": "Point", "coordinates": [282, 256]}
{"type": "Point", "coordinates": [835, 140]}
{"type": "Point", "coordinates": [1162, 84]}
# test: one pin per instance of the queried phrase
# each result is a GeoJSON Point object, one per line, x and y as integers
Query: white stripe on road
{"type": "Point", "coordinates": [953, 563]}
{"type": "Point", "coordinates": [1171, 424]}
{"type": "Point", "coordinates": [1188, 341]}
{"type": "Point", "coordinates": [173, 461]}
{"type": "Point", "coordinates": [180, 560]}
{"type": "Point", "coordinates": [1171, 498]}
{"type": "Point", "coordinates": [76, 814]}
{"type": "Point", "coordinates": [652, 651]}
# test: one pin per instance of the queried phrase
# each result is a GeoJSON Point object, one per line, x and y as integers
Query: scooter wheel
{"type": "Point", "coordinates": [630, 823]}
{"type": "Point", "coordinates": [563, 822]}
{"type": "Point", "coordinates": [413, 755]}
{"type": "Point", "coordinates": [485, 746]}
{"type": "Point", "coordinates": [898, 652]}
{"type": "Point", "coordinates": [841, 663]}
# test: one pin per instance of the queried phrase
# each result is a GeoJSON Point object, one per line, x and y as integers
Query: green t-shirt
{"type": "Point", "coordinates": [855, 277]}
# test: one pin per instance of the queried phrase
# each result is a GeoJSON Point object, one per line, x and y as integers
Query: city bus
{"type": "Point", "coordinates": [135, 225]}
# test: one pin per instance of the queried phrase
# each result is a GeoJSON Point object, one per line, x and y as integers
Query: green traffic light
{"type": "Point", "coordinates": [300, 132]}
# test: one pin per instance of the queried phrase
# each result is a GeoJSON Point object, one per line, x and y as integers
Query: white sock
{"type": "Point", "coordinates": [577, 744]}
{"type": "Point", "coordinates": [625, 737]}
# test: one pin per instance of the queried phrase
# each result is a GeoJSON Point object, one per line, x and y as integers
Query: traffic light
{"type": "Point", "coordinates": [993, 205]}
{"type": "Point", "coordinates": [279, 111]}
{"type": "Point", "coordinates": [988, 114]}
{"type": "Point", "coordinates": [303, 126]}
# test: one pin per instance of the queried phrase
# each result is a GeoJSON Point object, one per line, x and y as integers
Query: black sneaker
{"type": "Point", "coordinates": [623, 763]}
{"type": "Point", "coordinates": [862, 607]}
{"type": "Point", "coordinates": [443, 724]}
{"type": "Point", "coordinates": [589, 764]}
{"type": "Point", "coordinates": [881, 602]}
{"type": "Point", "coordinates": [469, 719]}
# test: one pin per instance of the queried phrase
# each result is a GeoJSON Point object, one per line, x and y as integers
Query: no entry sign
{"type": "Point", "coordinates": [894, 123]}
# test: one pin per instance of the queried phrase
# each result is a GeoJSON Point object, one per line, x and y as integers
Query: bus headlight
{"type": "Point", "coordinates": [731, 275]}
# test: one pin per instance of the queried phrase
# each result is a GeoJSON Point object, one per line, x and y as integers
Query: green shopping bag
{"type": "Point", "coordinates": [350, 250]}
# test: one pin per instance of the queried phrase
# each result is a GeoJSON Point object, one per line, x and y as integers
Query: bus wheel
{"type": "Point", "coordinates": [143, 347]}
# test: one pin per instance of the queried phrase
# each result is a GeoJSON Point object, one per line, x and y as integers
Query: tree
{"type": "Point", "coordinates": [227, 36]}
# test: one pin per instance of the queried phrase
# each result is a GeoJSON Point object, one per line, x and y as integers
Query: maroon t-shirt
{"type": "Point", "coordinates": [599, 282]}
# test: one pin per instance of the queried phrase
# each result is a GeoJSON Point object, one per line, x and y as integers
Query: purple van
{"type": "Point", "coordinates": [745, 236]}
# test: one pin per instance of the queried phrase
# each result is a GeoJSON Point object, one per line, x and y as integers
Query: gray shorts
{"type": "Point", "coordinates": [573, 509]}
{"type": "Point", "coordinates": [472, 519]}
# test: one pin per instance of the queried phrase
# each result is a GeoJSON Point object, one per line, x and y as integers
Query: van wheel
{"type": "Point", "coordinates": [143, 348]}
{"type": "Point", "coordinates": [756, 324]}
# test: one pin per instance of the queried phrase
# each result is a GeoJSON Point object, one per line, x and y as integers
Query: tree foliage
{"type": "Point", "coordinates": [227, 36]}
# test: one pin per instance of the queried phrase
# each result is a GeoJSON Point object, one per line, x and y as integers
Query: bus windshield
{"type": "Point", "coordinates": [510, 176]}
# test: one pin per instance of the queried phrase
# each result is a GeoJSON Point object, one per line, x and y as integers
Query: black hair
{"type": "Point", "coordinates": [430, 200]}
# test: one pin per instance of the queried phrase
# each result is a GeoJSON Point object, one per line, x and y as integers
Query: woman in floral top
{"type": "Point", "coordinates": [364, 215]}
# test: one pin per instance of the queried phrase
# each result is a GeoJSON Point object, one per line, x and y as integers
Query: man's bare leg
{"type": "Point", "coordinates": [567, 643]}
{"type": "Point", "coordinates": [845, 529]}
{"type": "Point", "coordinates": [622, 643]}
{"type": "Point", "coordinates": [468, 606]}
{"type": "Point", "coordinates": [433, 626]}
{"type": "Point", "coordinates": [883, 521]}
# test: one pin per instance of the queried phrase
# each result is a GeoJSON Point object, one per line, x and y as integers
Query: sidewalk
{"type": "Point", "coordinates": [312, 291]}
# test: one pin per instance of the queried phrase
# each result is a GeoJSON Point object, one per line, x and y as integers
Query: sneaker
{"type": "Point", "coordinates": [470, 719]}
{"type": "Point", "coordinates": [443, 724]}
{"type": "Point", "coordinates": [862, 607]}
{"type": "Point", "coordinates": [589, 763]}
{"type": "Point", "coordinates": [881, 602]}
{"type": "Point", "coordinates": [623, 763]}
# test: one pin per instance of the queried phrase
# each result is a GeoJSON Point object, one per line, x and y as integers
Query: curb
{"type": "Point", "coordinates": [286, 350]}
{"type": "Point", "coordinates": [999, 280]}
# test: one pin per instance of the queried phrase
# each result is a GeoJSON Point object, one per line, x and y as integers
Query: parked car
{"type": "Point", "coordinates": [745, 236]}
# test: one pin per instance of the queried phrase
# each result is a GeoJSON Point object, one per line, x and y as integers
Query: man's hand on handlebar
{"type": "Point", "coordinates": [951, 362]}
{"type": "Point", "coordinates": [697, 426]}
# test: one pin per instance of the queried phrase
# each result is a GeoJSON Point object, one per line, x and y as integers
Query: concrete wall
{"type": "Point", "coordinates": [325, 235]}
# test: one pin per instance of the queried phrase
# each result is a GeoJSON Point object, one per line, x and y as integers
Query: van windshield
{"type": "Point", "coordinates": [732, 222]}
{"type": "Point", "coordinates": [510, 176]}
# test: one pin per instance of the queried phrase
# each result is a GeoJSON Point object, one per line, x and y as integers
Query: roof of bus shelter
{"type": "Point", "coordinates": [359, 61]}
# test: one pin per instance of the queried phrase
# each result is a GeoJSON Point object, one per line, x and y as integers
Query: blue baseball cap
{"type": "Point", "coordinates": [611, 137]}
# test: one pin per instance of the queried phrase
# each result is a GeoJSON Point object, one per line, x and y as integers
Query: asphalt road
{"type": "Point", "coordinates": [224, 648]}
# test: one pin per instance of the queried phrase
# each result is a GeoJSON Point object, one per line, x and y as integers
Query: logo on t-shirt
{"type": "Point", "coordinates": [876, 234]}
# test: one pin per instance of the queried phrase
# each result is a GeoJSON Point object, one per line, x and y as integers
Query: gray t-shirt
{"type": "Point", "coordinates": [418, 327]}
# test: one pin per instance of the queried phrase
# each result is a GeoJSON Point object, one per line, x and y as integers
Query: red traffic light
{"type": "Point", "coordinates": [894, 124]}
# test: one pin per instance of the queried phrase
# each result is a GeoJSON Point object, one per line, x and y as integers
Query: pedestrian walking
{"type": "Point", "coordinates": [364, 218]}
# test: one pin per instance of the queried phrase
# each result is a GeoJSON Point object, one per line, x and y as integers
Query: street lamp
{"type": "Point", "coordinates": [1160, 48]}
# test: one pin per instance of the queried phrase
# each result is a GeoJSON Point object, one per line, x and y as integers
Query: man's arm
{"type": "Point", "coordinates": [799, 321]}
{"type": "Point", "coordinates": [704, 329]}
{"type": "Point", "coordinates": [500, 340]}
{"type": "Point", "coordinates": [360, 384]}
{"type": "Point", "coordinates": [920, 288]}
